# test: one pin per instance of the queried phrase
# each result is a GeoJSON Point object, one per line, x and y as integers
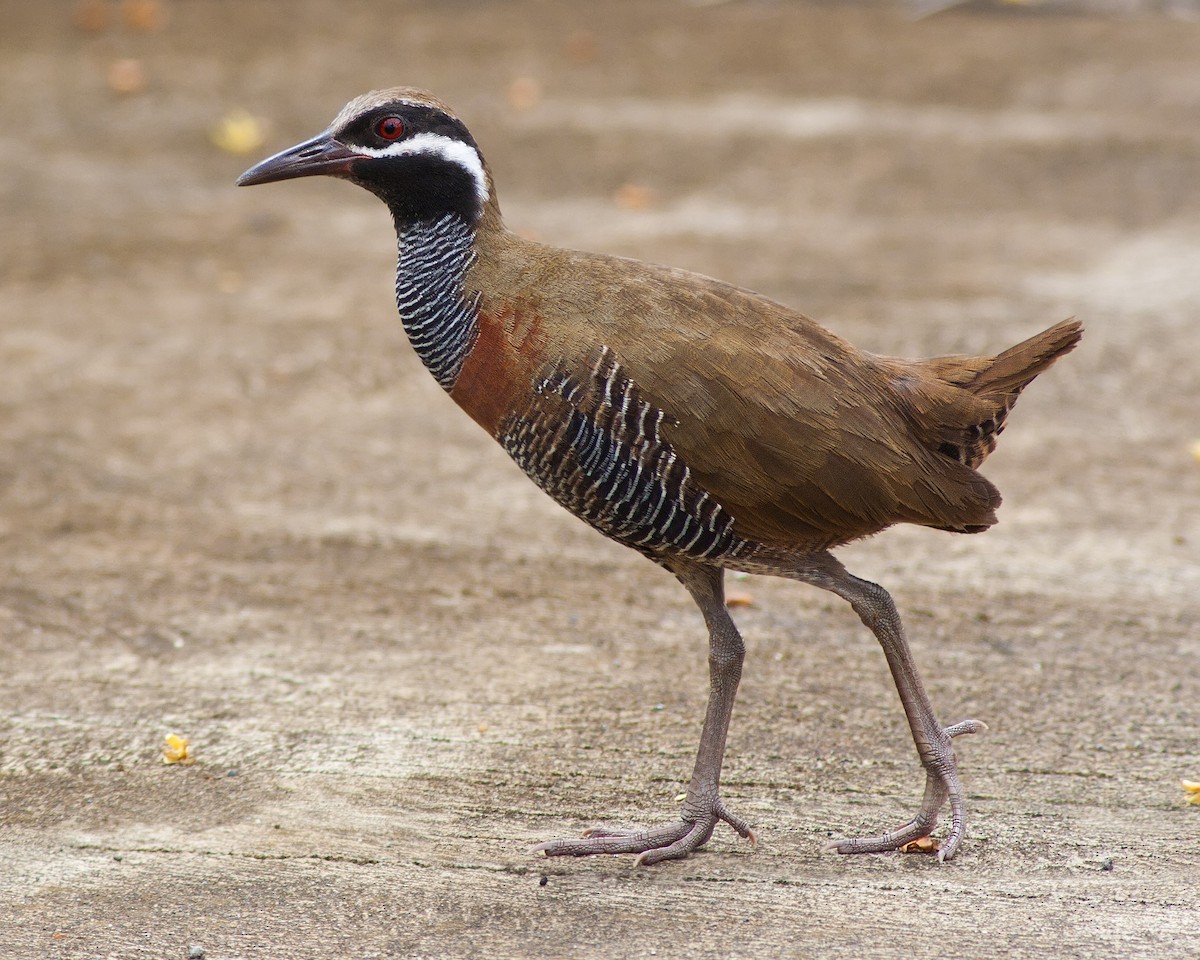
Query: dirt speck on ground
{"type": "Point", "coordinates": [234, 507]}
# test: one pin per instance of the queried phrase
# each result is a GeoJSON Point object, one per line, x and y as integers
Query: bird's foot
{"type": "Point", "coordinates": [672, 841]}
{"type": "Point", "coordinates": [942, 783]}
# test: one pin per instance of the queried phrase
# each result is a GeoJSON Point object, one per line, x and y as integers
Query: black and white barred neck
{"type": "Point", "coordinates": [596, 446]}
{"type": "Point", "coordinates": [409, 150]}
{"type": "Point", "coordinates": [440, 318]}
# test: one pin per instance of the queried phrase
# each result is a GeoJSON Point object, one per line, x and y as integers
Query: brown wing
{"type": "Point", "coordinates": [805, 440]}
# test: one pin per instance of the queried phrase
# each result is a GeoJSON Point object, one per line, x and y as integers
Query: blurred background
{"type": "Point", "coordinates": [234, 506]}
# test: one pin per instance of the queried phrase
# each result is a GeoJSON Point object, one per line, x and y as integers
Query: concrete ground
{"type": "Point", "coordinates": [235, 508]}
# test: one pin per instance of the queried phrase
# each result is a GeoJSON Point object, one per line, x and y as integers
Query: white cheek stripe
{"type": "Point", "coordinates": [433, 144]}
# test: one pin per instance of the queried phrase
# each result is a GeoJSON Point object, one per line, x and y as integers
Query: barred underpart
{"type": "Point", "coordinates": [596, 447]}
{"type": "Point", "coordinates": [440, 322]}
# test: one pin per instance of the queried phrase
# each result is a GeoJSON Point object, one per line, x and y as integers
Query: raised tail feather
{"type": "Point", "coordinates": [997, 382]}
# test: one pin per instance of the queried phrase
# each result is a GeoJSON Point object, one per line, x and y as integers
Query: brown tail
{"type": "Point", "coordinates": [1010, 372]}
{"type": "Point", "coordinates": [997, 381]}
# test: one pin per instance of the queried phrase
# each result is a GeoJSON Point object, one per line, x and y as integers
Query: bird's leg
{"type": "Point", "coordinates": [875, 608]}
{"type": "Point", "coordinates": [702, 807]}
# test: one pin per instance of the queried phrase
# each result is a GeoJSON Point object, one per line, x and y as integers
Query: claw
{"type": "Point", "coordinates": [941, 784]}
{"type": "Point", "coordinates": [965, 727]}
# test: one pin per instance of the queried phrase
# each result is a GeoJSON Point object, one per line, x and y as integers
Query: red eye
{"type": "Point", "coordinates": [390, 128]}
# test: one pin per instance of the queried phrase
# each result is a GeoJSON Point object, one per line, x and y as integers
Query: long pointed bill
{"type": "Point", "coordinates": [320, 155]}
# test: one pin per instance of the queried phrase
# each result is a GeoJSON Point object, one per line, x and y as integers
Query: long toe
{"type": "Point", "coordinates": [672, 841]}
{"type": "Point", "coordinates": [600, 840]}
{"type": "Point", "coordinates": [915, 829]}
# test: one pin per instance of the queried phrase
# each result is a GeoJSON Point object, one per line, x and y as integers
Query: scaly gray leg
{"type": "Point", "coordinates": [875, 608]}
{"type": "Point", "coordinates": [703, 806]}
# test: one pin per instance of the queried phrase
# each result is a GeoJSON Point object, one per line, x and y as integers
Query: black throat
{"type": "Point", "coordinates": [419, 188]}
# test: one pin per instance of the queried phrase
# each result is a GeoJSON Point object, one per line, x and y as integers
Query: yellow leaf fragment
{"type": "Point", "coordinates": [175, 750]}
{"type": "Point", "coordinates": [238, 132]}
{"type": "Point", "coordinates": [1193, 790]}
{"type": "Point", "coordinates": [733, 600]}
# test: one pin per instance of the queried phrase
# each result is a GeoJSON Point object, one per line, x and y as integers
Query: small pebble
{"type": "Point", "coordinates": [1106, 865]}
{"type": "Point", "coordinates": [231, 773]}
{"type": "Point", "coordinates": [195, 952]}
{"type": "Point", "coordinates": [580, 47]}
{"type": "Point", "coordinates": [144, 15]}
{"type": "Point", "coordinates": [523, 93]}
{"type": "Point", "coordinates": [543, 881]}
{"type": "Point", "coordinates": [126, 76]}
{"type": "Point", "coordinates": [91, 15]}
{"type": "Point", "coordinates": [634, 196]}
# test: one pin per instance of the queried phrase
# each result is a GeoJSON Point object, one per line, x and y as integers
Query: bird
{"type": "Point", "coordinates": [703, 425]}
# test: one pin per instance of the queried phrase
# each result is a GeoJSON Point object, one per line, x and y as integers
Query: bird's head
{"type": "Point", "coordinates": [403, 145]}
